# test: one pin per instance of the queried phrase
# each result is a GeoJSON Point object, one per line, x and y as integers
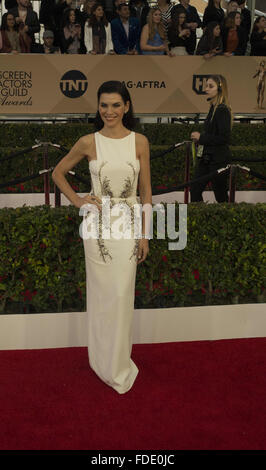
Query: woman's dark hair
{"type": "Point", "coordinates": [114, 86]}
{"type": "Point", "coordinates": [66, 14]}
{"type": "Point", "coordinates": [92, 19]}
{"type": "Point", "coordinates": [132, 3]}
{"type": "Point", "coordinates": [175, 21]}
{"type": "Point", "coordinates": [4, 26]}
{"type": "Point", "coordinates": [255, 24]}
{"type": "Point", "coordinates": [230, 20]}
{"type": "Point", "coordinates": [212, 4]}
{"type": "Point", "coordinates": [212, 40]}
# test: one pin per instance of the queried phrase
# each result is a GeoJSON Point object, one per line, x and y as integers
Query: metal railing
{"type": "Point", "coordinates": [230, 168]}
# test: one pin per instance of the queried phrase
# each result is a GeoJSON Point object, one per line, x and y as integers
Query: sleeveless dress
{"type": "Point", "coordinates": [111, 260]}
{"type": "Point", "coordinates": [156, 41]}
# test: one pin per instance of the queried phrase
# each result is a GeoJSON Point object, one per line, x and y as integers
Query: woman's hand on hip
{"type": "Point", "coordinates": [90, 199]}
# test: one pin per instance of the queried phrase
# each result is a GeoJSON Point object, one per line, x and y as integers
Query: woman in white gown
{"type": "Point", "coordinates": [117, 158]}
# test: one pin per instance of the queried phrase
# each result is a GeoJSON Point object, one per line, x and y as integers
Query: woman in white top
{"type": "Point", "coordinates": [118, 159]}
{"type": "Point", "coordinates": [97, 34]}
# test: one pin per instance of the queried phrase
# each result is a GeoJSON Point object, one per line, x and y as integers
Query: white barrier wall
{"type": "Point", "coordinates": [60, 330]}
{"type": "Point", "coordinates": [17, 200]}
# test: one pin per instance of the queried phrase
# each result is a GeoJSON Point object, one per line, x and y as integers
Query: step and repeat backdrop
{"type": "Point", "coordinates": [51, 84]}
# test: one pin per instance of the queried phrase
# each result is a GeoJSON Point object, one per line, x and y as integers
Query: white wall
{"type": "Point", "coordinates": [59, 330]}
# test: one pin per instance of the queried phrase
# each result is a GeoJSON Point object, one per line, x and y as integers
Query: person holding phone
{"type": "Point", "coordinates": [210, 43]}
{"type": "Point", "coordinates": [71, 40]}
{"type": "Point", "coordinates": [179, 35]}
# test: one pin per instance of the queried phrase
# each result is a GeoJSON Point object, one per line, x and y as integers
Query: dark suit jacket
{"type": "Point", "coordinates": [216, 134]}
{"type": "Point", "coordinates": [246, 21]}
{"type": "Point", "coordinates": [122, 43]}
{"type": "Point", "coordinates": [212, 14]}
{"type": "Point", "coordinates": [31, 21]}
{"type": "Point", "coordinates": [144, 13]}
{"type": "Point", "coordinates": [258, 44]}
{"type": "Point", "coordinates": [10, 4]}
{"type": "Point", "coordinates": [191, 13]}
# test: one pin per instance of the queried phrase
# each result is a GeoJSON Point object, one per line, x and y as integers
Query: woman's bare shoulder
{"type": "Point", "coordinates": [88, 138]}
{"type": "Point", "coordinates": [141, 139]}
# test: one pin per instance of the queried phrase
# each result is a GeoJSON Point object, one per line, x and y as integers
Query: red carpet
{"type": "Point", "coordinates": [197, 395]}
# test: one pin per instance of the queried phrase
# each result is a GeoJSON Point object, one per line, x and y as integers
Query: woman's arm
{"type": "Point", "coordinates": [88, 37]}
{"type": "Point", "coordinates": [222, 118]}
{"type": "Point", "coordinates": [65, 39]}
{"type": "Point", "coordinates": [109, 43]}
{"type": "Point", "coordinates": [144, 41]}
{"type": "Point", "coordinates": [145, 192]}
{"type": "Point", "coordinates": [242, 42]}
{"type": "Point", "coordinates": [202, 47]}
{"type": "Point", "coordinates": [80, 150]}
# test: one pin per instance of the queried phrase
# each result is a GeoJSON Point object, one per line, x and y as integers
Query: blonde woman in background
{"type": "Point", "coordinates": [213, 143]}
{"type": "Point", "coordinates": [153, 39]}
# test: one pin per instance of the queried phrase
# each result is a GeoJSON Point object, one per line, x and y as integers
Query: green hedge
{"type": "Point", "coordinates": [42, 260]}
{"type": "Point", "coordinates": [166, 171]}
{"type": "Point", "coordinates": [248, 143]}
{"type": "Point", "coordinates": [24, 135]}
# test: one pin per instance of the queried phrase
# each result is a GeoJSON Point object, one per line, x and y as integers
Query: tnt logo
{"type": "Point", "coordinates": [73, 84]}
{"type": "Point", "coordinates": [199, 83]}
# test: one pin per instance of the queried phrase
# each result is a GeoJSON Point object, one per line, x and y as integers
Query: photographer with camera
{"type": "Point", "coordinates": [213, 143]}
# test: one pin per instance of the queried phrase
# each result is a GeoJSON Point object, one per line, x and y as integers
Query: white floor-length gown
{"type": "Point", "coordinates": [111, 263]}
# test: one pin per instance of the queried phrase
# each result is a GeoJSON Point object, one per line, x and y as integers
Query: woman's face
{"type": "Point", "coordinates": [232, 7]}
{"type": "Point", "coordinates": [262, 23]}
{"type": "Point", "coordinates": [72, 16]}
{"type": "Point", "coordinates": [238, 19]}
{"type": "Point", "coordinates": [157, 16]}
{"type": "Point", "coordinates": [181, 18]}
{"type": "Point", "coordinates": [99, 12]}
{"type": "Point", "coordinates": [112, 108]}
{"type": "Point", "coordinates": [90, 4]}
{"type": "Point", "coordinates": [211, 88]}
{"type": "Point", "coordinates": [217, 31]}
{"type": "Point", "coordinates": [10, 21]}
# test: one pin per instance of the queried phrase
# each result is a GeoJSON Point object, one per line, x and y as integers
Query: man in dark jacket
{"type": "Point", "coordinates": [139, 9]}
{"type": "Point", "coordinates": [125, 32]}
{"type": "Point", "coordinates": [24, 14]}
{"type": "Point", "coordinates": [193, 21]}
{"type": "Point", "coordinates": [245, 18]}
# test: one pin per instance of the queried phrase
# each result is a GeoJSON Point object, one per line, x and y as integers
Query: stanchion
{"type": "Point", "coordinates": [46, 175]}
{"type": "Point", "coordinates": [186, 185]}
{"type": "Point", "coordinates": [57, 196]}
{"type": "Point", "coordinates": [232, 183]}
{"type": "Point", "coordinates": [187, 176]}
